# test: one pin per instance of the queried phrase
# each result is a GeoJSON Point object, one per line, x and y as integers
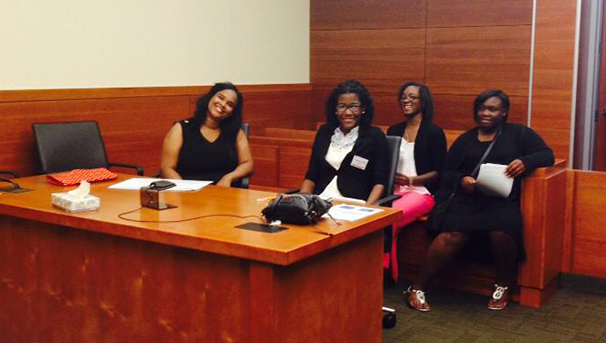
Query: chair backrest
{"type": "Point", "coordinates": [69, 145]}
{"type": "Point", "coordinates": [393, 154]}
{"type": "Point", "coordinates": [244, 182]}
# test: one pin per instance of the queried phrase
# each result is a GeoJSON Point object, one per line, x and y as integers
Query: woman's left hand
{"type": "Point", "coordinates": [515, 168]}
{"type": "Point", "coordinates": [225, 181]}
{"type": "Point", "coordinates": [404, 180]}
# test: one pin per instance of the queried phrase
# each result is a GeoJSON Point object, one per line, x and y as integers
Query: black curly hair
{"type": "Point", "coordinates": [232, 122]}
{"type": "Point", "coordinates": [487, 94]}
{"type": "Point", "coordinates": [424, 96]}
{"type": "Point", "coordinates": [355, 87]}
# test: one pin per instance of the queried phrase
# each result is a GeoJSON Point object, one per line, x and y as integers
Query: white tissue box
{"type": "Point", "coordinates": [69, 203]}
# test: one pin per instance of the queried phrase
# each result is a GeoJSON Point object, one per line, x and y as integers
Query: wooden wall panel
{"type": "Point", "coordinates": [444, 13]}
{"type": "Point", "coordinates": [557, 139]}
{"type": "Point", "coordinates": [134, 121]}
{"type": "Point", "coordinates": [471, 59]}
{"type": "Point", "coordinates": [387, 109]}
{"type": "Point", "coordinates": [266, 165]}
{"type": "Point", "coordinates": [456, 111]}
{"type": "Point", "coordinates": [356, 14]}
{"type": "Point", "coordinates": [293, 165]}
{"type": "Point", "coordinates": [318, 104]}
{"type": "Point", "coordinates": [587, 236]}
{"type": "Point", "coordinates": [462, 49]}
{"type": "Point", "coordinates": [554, 72]}
{"type": "Point", "coordinates": [287, 109]}
{"type": "Point", "coordinates": [380, 59]}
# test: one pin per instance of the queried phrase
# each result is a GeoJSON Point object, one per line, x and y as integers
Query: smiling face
{"type": "Point", "coordinates": [222, 104]}
{"type": "Point", "coordinates": [349, 111]}
{"type": "Point", "coordinates": [490, 113]}
{"type": "Point", "coordinates": [410, 102]}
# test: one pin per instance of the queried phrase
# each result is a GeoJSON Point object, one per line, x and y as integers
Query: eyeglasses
{"type": "Point", "coordinates": [411, 98]}
{"type": "Point", "coordinates": [355, 108]}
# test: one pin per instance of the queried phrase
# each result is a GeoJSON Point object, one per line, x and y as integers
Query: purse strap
{"type": "Point", "coordinates": [475, 170]}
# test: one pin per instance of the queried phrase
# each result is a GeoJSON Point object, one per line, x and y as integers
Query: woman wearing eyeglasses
{"type": "Point", "coordinates": [349, 156]}
{"type": "Point", "coordinates": [422, 153]}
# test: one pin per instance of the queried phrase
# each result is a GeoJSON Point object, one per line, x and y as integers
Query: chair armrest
{"type": "Point", "coordinates": [12, 173]}
{"type": "Point", "coordinates": [245, 181]}
{"type": "Point", "coordinates": [386, 202]}
{"type": "Point", "coordinates": [132, 166]}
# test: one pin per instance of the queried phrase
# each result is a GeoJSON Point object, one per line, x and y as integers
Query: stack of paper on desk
{"type": "Point", "coordinates": [492, 180]}
{"type": "Point", "coordinates": [182, 185]}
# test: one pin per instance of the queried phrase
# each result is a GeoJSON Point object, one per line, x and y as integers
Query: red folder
{"type": "Point", "coordinates": [73, 178]}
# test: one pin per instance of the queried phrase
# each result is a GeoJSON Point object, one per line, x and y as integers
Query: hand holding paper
{"type": "Point", "coordinates": [493, 181]}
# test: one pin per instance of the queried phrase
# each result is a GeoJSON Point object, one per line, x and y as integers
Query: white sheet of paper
{"type": "Point", "coordinates": [181, 185]}
{"type": "Point", "coordinates": [492, 180]}
{"type": "Point", "coordinates": [351, 212]}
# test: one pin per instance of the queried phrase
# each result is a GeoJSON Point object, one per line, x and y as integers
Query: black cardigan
{"type": "Point", "coordinates": [352, 182]}
{"type": "Point", "coordinates": [429, 151]}
{"type": "Point", "coordinates": [515, 141]}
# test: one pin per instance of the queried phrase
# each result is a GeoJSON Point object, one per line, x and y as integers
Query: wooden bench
{"type": "Point", "coordinates": [281, 162]}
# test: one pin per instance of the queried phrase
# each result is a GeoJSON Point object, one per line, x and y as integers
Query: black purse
{"type": "Point", "coordinates": [298, 208]}
{"type": "Point", "coordinates": [435, 218]}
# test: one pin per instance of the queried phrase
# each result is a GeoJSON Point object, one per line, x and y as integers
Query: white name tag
{"type": "Point", "coordinates": [359, 162]}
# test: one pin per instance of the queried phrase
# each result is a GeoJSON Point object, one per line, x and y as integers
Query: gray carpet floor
{"type": "Point", "coordinates": [576, 313]}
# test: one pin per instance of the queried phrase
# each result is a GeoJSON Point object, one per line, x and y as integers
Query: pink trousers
{"type": "Point", "coordinates": [413, 206]}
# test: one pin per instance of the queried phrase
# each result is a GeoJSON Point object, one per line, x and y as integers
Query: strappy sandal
{"type": "Point", "coordinates": [499, 299]}
{"type": "Point", "coordinates": [416, 299]}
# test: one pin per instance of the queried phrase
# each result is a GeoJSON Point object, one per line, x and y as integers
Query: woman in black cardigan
{"type": "Point", "coordinates": [472, 214]}
{"type": "Point", "coordinates": [349, 156]}
{"type": "Point", "coordinates": [422, 153]}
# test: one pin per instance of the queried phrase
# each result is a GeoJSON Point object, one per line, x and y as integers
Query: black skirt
{"type": "Point", "coordinates": [477, 215]}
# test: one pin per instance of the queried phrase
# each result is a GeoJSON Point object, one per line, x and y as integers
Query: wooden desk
{"type": "Point", "coordinates": [93, 277]}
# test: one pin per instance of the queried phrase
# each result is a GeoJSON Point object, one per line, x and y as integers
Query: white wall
{"type": "Point", "coordinates": [127, 43]}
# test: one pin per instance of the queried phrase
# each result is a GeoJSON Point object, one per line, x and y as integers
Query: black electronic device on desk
{"type": "Point", "coordinates": [150, 195]}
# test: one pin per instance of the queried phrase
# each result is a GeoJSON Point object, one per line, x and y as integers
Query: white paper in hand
{"type": "Point", "coordinates": [492, 180]}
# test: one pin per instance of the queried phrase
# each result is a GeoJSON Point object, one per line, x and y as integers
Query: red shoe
{"type": "Point", "coordinates": [416, 300]}
{"type": "Point", "coordinates": [499, 299]}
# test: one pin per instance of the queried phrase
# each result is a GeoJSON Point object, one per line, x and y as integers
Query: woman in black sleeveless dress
{"type": "Point", "coordinates": [211, 145]}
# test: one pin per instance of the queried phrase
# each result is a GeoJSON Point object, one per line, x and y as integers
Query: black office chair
{"type": "Point", "coordinates": [72, 145]}
{"type": "Point", "coordinates": [245, 181]}
{"type": "Point", "coordinates": [393, 154]}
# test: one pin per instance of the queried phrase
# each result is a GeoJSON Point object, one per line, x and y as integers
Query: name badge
{"type": "Point", "coordinates": [359, 162]}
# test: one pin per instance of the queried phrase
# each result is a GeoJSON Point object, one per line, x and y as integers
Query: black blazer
{"type": "Point", "coordinates": [352, 182]}
{"type": "Point", "coordinates": [430, 148]}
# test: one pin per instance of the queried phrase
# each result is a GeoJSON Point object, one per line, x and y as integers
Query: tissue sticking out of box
{"type": "Point", "coordinates": [77, 200]}
{"type": "Point", "coordinates": [81, 192]}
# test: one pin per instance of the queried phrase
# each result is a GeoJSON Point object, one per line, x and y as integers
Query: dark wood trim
{"type": "Point", "coordinates": [30, 95]}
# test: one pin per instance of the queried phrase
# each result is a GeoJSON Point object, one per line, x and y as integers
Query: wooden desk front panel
{"type": "Point", "coordinates": [63, 285]}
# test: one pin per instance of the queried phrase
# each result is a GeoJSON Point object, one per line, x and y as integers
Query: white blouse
{"type": "Point", "coordinates": [406, 166]}
{"type": "Point", "coordinates": [340, 146]}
